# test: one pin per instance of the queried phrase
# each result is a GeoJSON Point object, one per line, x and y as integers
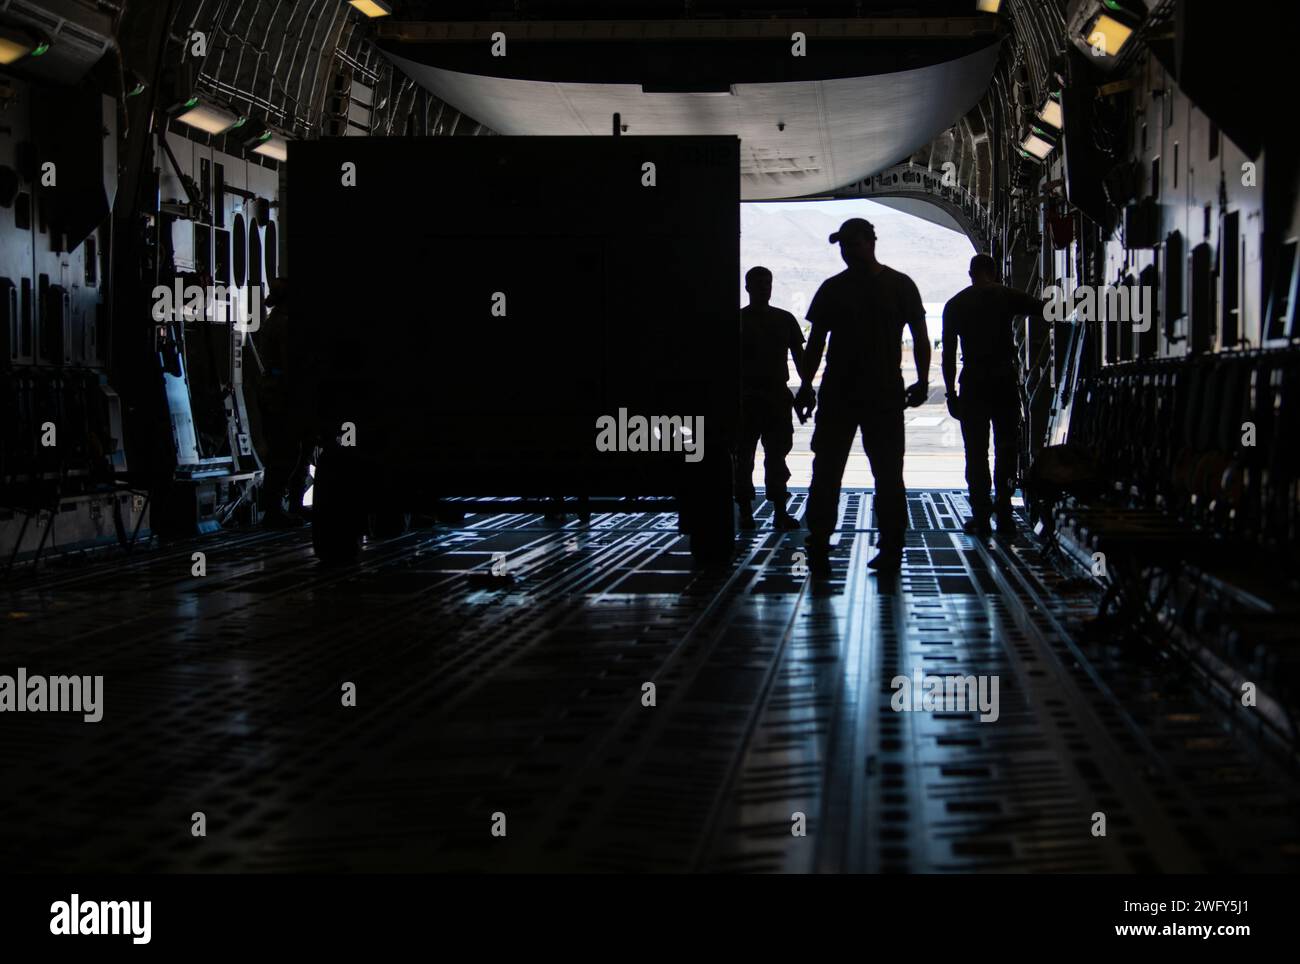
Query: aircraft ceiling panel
{"type": "Point", "coordinates": [835, 131]}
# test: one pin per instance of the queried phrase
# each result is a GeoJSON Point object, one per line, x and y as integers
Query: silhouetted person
{"type": "Point", "coordinates": [277, 414]}
{"type": "Point", "coordinates": [982, 319]}
{"type": "Point", "coordinates": [767, 334]}
{"type": "Point", "coordinates": [863, 309]}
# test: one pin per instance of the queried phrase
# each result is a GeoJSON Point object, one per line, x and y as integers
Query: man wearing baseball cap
{"type": "Point", "coordinates": [862, 310]}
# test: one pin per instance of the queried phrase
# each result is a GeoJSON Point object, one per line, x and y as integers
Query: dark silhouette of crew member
{"type": "Point", "coordinates": [767, 334]}
{"type": "Point", "coordinates": [863, 311]}
{"type": "Point", "coordinates": [982, 319]}
{"type": "Point", "coordinates": [277, 414]}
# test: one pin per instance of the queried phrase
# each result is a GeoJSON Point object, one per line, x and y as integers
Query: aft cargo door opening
{"type": "Point", "coordinates": [790, 238]}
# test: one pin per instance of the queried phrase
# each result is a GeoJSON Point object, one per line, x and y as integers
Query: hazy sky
{"type": "Point", "coordinates": [789, 237]}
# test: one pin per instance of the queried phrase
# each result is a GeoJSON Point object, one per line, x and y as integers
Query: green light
{"type": "Point", "coordinates": [139, 89]}
{"type": "Point", "coordinates": [40, 48]}
{"type": "Point", "coordinates": [238, 123]}
{"type": "Point", "coordinates": [193, 101]}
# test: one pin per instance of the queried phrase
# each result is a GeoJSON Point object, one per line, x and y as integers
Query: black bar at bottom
{"type": "Point", "coordinates": [479, 915]}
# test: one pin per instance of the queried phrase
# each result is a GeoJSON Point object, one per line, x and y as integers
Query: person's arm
{"type": "Point", "coordinates": [921, 349]}
{"type": "Point", "coordinates": [1025, 304]}
{"type": "Point", "coordinates": [951, 338]}
{"type": "Point", "coordinates": [812, 352]}
{"type": "Point", "coordinates": [796, 345]}
{"type": "Point", "coordinates": [917, 393]}
{"type": "Point", "coordinates": [950, 341]}
{"type": "Point", "coordinates": [805, 400]}
{"type": "Point", "coordinates": [812, 356]}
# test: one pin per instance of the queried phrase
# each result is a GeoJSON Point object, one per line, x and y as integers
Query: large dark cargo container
{"type": "Point", "coordinates": [474, 306]}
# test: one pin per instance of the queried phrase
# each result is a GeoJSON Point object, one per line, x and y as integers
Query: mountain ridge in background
{"type": "Point", "coordinates": [789, 237]}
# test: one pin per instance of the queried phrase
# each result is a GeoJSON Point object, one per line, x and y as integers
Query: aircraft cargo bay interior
{"type": "Point", "coordinates": [675, 437]}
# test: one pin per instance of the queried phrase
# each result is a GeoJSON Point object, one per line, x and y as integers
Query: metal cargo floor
{"type": "Point", "coordinates": [477, 697]}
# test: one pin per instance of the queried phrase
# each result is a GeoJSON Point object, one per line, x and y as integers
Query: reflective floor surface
{"type": "Point", "coordinates": [501, 721]}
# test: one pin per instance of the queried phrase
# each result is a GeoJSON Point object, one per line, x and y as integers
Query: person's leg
{"type": "Point", "coordinates": [281, 463]}
{"type": "Point", "coordinates": [832, 439]}
{"type": "Point", "coordinates": [976, 416]}
{"type": "Point", "coordinates": [883, 438]}
{"type": "Point", "coordinates": [778, 440]}
{"type": "Point", "coordinates": [750, 431]}
{"type": "Point", "coordinates": [1006, 451]}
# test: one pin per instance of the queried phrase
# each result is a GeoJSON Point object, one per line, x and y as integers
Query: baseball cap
{"type": "Point", "coordinates": [854, 227]}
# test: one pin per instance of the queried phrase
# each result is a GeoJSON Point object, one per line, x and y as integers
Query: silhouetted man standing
{"type": "Point", "coordinates": [863, 309]}
{"type": "Point", "coordinates": [276, 413]}
{"type": "Point", "coordinates": [982, 319]}
{"type": "Point", "coordinates": [766, 335]}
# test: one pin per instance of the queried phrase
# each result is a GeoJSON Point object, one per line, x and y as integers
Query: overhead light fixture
{"type": "Point", "coordinates": [15, 44]}
{"type": "Point", "coordinates": [1102, 28]}
{"type": "Point", "coordinates": [372, 8]}
{"type": "Point", "coordinates": [1050, 113]}
{"type": "Point", "coordinates": [1037, 144]}
{"type": "Point", "coordinates": [988, 6]}
{"type": "Point", "coordinates": [208, 117]}
{"type": "Point", "coordinates": [270, 144]}
{"type": "Point", "coordinates": [1108, 35]}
